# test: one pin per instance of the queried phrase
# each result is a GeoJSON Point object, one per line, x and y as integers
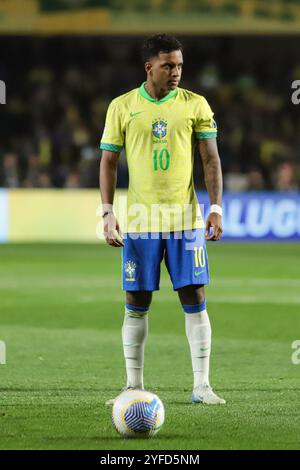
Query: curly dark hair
{"type": "Point", "coordinates": [153, 45]}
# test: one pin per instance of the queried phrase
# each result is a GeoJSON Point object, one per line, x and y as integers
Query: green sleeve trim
{"type": "Point", "coordinates": [206, 135]}
{"type": "Point", "coordinates": [111, 147]}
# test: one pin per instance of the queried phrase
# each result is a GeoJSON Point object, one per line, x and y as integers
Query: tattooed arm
{"type": "Point", "coordinates": [214, 184]}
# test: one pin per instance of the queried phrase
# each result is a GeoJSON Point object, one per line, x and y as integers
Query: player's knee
{"type": "Point", "coordinates": [139, 298]}
{"type": "Point", "coordinates": [191, 295]}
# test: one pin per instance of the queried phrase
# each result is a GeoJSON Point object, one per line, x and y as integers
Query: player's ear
{"type": "Point", "coordinates": [148, 67]}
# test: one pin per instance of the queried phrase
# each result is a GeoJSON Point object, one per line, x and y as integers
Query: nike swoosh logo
{"type": "Point", "coordinates": [135, 114]}
{"type": "Point", "coordinates": [197, 273]}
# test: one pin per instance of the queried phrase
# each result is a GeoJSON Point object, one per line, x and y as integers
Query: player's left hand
{"type": "Point", "coordinates": [112, 232]}
{"type": "Point", "coordinates": [213, 225]}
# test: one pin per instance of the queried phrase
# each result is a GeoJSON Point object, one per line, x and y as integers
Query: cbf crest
{"type": "Point", "coordinates": [159, 128]}
{"type": "Point", "coordinates": [130, 270]}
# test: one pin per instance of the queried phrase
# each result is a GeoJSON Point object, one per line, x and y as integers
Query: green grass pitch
{"type": "Point", "coordinates": [61, 310]}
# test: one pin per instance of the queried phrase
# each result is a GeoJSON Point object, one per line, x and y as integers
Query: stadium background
{"type": "Point", "coordinates": [59, 87]}
{"type": "Point", "coordinates": [62, 62]}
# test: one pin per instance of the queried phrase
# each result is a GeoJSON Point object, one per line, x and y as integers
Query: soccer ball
{"type": "Point", "coordinates": [138, 413]}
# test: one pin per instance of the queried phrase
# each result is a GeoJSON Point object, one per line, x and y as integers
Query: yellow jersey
{"type": "Point", "coordinates": [159, 138]}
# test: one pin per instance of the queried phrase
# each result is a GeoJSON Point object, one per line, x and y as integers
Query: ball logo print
{"type": "Point", "coordinates": [141, 416]}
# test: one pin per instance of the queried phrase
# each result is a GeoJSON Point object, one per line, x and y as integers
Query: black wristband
{"type": "Point", "coordinates": [106, 213]}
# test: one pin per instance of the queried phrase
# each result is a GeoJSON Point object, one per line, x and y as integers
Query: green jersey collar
{"type": "Point", "coordinates": [146, 95]}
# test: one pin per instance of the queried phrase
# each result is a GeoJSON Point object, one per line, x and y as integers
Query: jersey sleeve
{"type": "Point", "coordinates": [113, 134]}
{"type": "Point", "coordinates": [205, 126]}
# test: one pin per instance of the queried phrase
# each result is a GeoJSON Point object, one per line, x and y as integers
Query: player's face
{"type": "Point", "coordinates": [165, 69]}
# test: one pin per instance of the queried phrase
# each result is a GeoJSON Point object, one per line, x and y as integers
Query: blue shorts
{"type": "Point", "coordinates": [184, 253]}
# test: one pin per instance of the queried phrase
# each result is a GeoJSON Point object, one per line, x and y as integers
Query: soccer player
{"type": "Point", "coordinates": [159, 125]}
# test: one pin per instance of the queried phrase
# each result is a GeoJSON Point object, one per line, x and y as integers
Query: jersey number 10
{"type": "Point", "coordinates": [199, 257]}
{"type": "Point", "coordinates": [163, 159]}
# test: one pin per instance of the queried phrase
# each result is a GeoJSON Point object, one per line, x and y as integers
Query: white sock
{"type": "Point", "coordinates": [134, 334]}
{"type": "Point", "coordinates": [198, 332]}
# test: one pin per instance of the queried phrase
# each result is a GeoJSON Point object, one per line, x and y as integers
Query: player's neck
{"type": "Point", "coordinates": [155, 93]}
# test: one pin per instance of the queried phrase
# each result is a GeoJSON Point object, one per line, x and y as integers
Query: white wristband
{"type": "Point", "coordinates": [216, 209]}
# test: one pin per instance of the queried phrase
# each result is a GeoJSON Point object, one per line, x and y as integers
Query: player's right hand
{"type": "Point", "coordinates": [112, 232]}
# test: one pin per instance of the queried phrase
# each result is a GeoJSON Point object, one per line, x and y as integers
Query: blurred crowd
{"type": "Point", "coordinates": [58, 90]}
